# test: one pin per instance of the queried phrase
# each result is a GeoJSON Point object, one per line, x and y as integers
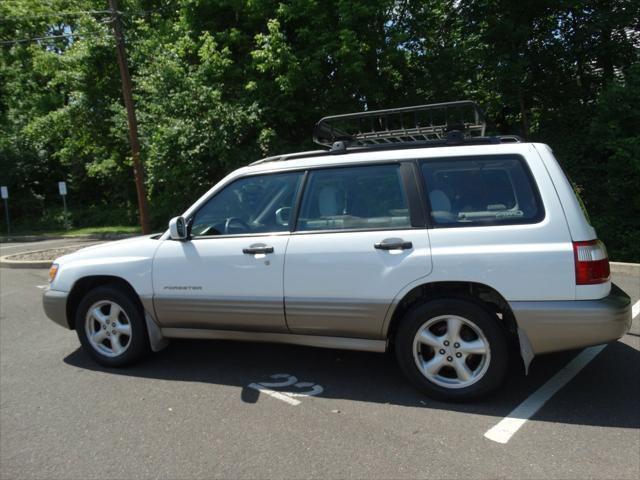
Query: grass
{"type": "Point", "coordinates": [74, 232]}
{"type": "Point", "coordinates": [97, 230]}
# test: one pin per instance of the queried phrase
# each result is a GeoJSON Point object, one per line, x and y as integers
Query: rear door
{"type": "Point", "coordinates": [497, 221]}
{"type": "Point", "coordinates": [360, 238]}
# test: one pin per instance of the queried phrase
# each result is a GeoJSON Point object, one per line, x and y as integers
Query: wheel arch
{"type": "Point", "coordinates": [482, 294]}
{"type": "Point", "coordinates": [85, 284]}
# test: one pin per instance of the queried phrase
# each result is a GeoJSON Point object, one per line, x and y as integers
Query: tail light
{"type": "Point", "coordinates": [592, 263]}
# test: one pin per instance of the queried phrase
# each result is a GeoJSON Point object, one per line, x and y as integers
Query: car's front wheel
{"type": "Point", "coordinates": [111, 327]}
{"type": "Point", "coordinates": [452, 349]}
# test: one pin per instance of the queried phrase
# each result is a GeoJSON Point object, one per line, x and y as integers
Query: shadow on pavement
{"type": "Point", "coordinates": [605, 393]}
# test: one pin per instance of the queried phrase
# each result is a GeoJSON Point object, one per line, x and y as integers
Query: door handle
{"type": "Point", "coordinates": [258, 248]}
{"type": "Point", "coordinates": [393, 244]}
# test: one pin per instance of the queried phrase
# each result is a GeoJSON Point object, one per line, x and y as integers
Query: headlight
{"type": "Point", "coordinates": [52, 272]}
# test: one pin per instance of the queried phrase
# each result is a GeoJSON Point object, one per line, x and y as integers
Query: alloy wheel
{"type": "Point", "coordinates": [451, 351]}
{"type": "Point", "coordinates": [108, 328]}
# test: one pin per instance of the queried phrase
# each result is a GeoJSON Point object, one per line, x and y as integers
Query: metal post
{"type": "Point", "coordinates": [138, 169]}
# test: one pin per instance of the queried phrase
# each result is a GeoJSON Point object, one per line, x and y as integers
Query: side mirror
{"type": "Point", "coordinates": [177, 228]}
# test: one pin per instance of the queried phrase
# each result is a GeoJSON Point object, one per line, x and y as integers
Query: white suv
{"type": "Point", "coordinates": [432, 239]}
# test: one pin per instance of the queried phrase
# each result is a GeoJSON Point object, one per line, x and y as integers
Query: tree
{"type": "Point", "coordinates": [220, 83]}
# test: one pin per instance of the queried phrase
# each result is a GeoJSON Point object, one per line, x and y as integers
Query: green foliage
{"type": "Point", "coordinates": [613, 199]}
{"type": "Point", "coordinates": [220, 83]}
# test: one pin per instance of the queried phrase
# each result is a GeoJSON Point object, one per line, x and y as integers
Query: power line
{"type": "Point", "coordinates": [23, 3]}
{"type": "Point", "coordinates": [90, 12]}
{"type": "Point", "coordinates": [79, 12]}
{"type": "Point", "coordinates": [49, 37]}
{"type": "Point", "coordinates": [60, 14]}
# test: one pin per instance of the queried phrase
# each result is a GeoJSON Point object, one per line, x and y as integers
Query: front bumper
{"type": "Point", "coordinates": [564, 325]}
{"type": "Point", "coordinates": [55, 306]}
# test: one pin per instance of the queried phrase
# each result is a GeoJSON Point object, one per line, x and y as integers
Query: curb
{"type": "Point", "coordinates": [623, 267]}
{"type": "Point", "coordinates": [88, 236]}
{"type": "Point", "coordinates": [7, 262]}
{"type": "Point", "coordinates": [31, 238]}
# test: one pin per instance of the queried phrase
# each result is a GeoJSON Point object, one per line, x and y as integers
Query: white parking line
{"type": "Point", "coordinates": [508, 426]}
{"type": "Point", "coordinates": [274, 394]}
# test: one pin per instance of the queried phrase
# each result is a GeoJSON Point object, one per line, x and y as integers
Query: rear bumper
{"type": "Point", "coordinates": [55, 306]}
{"type": "Point", "coordinates": [564, 325]}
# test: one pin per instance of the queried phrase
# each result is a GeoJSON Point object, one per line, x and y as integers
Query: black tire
{"type": "Point", "coordinates": [137, 343]}
{"type": "Point", "coordinates": [473, 313]}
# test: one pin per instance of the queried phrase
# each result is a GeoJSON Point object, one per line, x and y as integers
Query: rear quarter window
{"type": "Point", "coordinates": [471, 191]}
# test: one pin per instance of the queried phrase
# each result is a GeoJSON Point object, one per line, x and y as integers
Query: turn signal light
{"type": "Point", "coordinates": [592, 262]}
{"type": "Point", "coordinates": [53, 269]}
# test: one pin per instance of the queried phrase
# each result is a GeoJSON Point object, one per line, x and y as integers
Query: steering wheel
{"type": "Point", "coordinates": [238, 223]}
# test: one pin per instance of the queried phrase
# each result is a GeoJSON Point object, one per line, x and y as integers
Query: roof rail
{"type": "Point", "coordinates": [422, 123]}
{"type": "Point", "coordinates": [291, 156]}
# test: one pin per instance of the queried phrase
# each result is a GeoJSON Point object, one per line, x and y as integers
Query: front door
{"type": "Point", "coordinates": [229, 274]}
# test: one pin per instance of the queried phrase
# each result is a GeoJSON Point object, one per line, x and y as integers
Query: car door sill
{"type": "Point", "coordinates": [346, 343]}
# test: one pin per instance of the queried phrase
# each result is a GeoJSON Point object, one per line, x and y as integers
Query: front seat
{"type": "Point", "coordinates": [328, 202]}
{"type": "Point", "coordinates": [440, 207]}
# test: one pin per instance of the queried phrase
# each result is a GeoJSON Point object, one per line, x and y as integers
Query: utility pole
{"type": "Point", "coordinates": [127, 96]}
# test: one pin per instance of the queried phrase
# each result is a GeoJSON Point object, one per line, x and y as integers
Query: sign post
{"type": "Point", "coordinates": [4, 193]}
{"type": "Point", "coordinates": [62, 188]}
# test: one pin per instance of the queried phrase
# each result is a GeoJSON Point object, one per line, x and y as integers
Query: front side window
{"type": "Point", "coordinates": [258, 204]}
{"type": "Point", "coordinates": [368, 197]}
{"type": "Point", "coordinates": [482, 191]}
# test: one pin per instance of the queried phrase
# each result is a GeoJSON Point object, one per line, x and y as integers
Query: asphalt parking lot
{"type": "Point", "coordinates": [195, 410]}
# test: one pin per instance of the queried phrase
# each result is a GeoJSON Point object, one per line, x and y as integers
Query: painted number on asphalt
{"type": "Point", "coordinates": [295, 389]}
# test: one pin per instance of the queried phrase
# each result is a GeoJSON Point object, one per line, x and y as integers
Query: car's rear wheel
{"type": "Point", "coordinates": [111, 327]}
{"type": "Point", "coordinates": [452, 349]}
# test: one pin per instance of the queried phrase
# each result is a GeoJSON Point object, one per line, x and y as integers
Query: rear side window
{"type": "Point", "coordinates": [481, 191]}
{"type": "Point", "coordinates": [368, 197]}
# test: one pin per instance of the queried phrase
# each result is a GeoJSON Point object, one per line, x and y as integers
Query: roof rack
{"type": "Point", "coordinates": [422, 123]}
{"type": "Point", "coordinates": [434, 125]}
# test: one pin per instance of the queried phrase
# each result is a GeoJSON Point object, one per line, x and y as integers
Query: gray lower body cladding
{"type": "Point", "coordinates": [321, 316]}
{"type": "Point", "coordinates": [331, 316]}
{"type": "Point", "coordinates": [242, 313]}
{"type": "Point", "coordinates": [564, 325]}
